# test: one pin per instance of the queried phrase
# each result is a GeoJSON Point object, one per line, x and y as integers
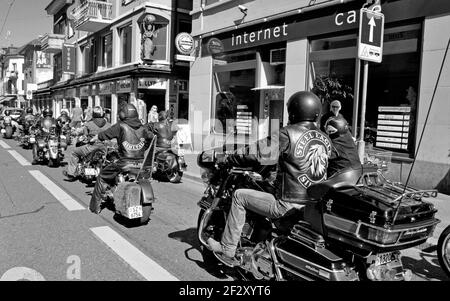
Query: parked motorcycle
{"type": "Point", "coordinates": [169, 166]}
{"type": "Point", "coordinates": [7, 127]}
{"type": "Point", "coordinates": [132, 194]}
{"type": "Point", "coordinates": [48, 147]}
{"type": "Point", "coordinates": [443, 250]}
{"type": "Point", "coordinates": [354, 230]}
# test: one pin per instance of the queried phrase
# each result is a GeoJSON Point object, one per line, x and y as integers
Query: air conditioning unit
{"type": "Point", "coordinates": [278, 56]}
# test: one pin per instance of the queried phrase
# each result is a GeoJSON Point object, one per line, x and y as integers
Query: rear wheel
{"type": "Point", "coordinates": [53, 162]}
{"type": "Point", "coordinates": [443, 250]}
{"type": "Point", "coordinates": [175, 176]}
{"type": "Point", "coordinates": [146, 212]}
{"type": "Point", "coordinates": [8, 132]}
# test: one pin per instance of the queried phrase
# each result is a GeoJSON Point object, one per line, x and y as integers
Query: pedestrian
{"type": "Point", "coordinates": [153, 114]}
{"type": "Point", "coordinates": [87, 114]}
{"type": "Point", "coordinates": [335, 108]}
{"type": "Point", "coordinates": [76, 117]}
{"type": "Point", "coordinates": [142, 108]}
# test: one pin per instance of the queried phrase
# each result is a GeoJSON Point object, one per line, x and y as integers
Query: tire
{"type": "Point", "coordinates": [146, 212]}
{"type": "Point", "coordinates": [53, 162]}
{"type": "Point", "coordinates": [443, 250]}
{"type": "Point", "coordinates": [175, 177]}
{"type": "Point", "coordinates": [9, 132]}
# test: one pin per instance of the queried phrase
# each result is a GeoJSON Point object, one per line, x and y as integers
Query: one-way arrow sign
{"type": "Point", "coordinates": [371, 30]}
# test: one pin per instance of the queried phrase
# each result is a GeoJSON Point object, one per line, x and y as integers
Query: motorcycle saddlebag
{"type": "Point", "coordinates": [126, 197]}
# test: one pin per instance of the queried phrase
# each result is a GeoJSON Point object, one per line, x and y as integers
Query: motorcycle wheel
{"type": "Point", "coordinates": [443, 250]}
{"type": "Point", "coordinates": [9, 132]}
{"type": "Point", "coordinates": [175, 176]}
{"type": "Point", "coordinates": [146, 212]}
{"type": "Point", "coordinates": [53, 162]}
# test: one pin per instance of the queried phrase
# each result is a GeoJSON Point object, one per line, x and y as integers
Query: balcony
{"type": "Point", "coordinates": [93, 15]}
{"type": "Point", "coordinates": [52, 43]}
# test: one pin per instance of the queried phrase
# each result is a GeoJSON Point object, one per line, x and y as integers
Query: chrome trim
{"type": "Point", "coordinates": [201, 226]}
{"type": "Point", "coordinates": [276, 263]}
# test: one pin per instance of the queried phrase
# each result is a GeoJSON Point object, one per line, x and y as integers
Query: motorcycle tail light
{"type": "Point", "coordinates": [379, 235]}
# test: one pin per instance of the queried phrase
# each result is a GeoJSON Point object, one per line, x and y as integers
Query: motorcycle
{"type": "Point", "coordinates": [443, 250]}
{"type": "Point", "coordinates": [132, 195]}
{"type": "Point", "coordinates": [355, 228]}
{"type": "Point", "coordinates": [65, 137]}
{"type": "Point", "coordinates": [48, 147]}
{"type": "Point", "coordinates": [90, 166]}
{"type": "Point", "coordinates": [169, 166]}
{"type": "Point", "coordinates": [7, 127]}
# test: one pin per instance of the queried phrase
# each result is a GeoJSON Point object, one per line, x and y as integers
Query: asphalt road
{"type": "Point", "coordinates": [47, 232]}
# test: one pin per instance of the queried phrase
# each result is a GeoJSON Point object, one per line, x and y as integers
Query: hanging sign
{"type": "Point", "coordinates": [370, 40]}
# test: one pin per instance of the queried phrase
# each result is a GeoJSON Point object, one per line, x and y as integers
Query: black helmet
{"type": "Point", "coordinates": [47, 113]}
{"type": "Point", "coordinates": [7, 112]}
{"type": "Point", "coordinates": [98, 112]}
{"type": "Point", "coordinates": [303, 106]}
{"type": "Point", "coordinates": [29, 110]}
{"type": "Point", "coordinates": [336, 126]}
{"type": "Point", "coordinates": [128, 111]}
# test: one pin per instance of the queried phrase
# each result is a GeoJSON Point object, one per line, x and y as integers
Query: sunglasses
{"type": "Point", "coordinates": [335, 107]}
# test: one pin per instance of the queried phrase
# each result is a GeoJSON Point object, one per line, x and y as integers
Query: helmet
{"type": "Point", "coordinates": [128, 111]}
{"type": "Point", "coordinates": [162, 116]}
{"type": "Point", "coordinates": [47, 113]}
{"type": "Point", "coordinates": [303, 106]}
{"type": "Point", "coordinates": [7, 112]}
{"type": "Point", "coordinates": [336, 126]}
{"type": "Point", "coordinates": [98, 112]}
{"type": "Point", "coordinates": [29, 110]}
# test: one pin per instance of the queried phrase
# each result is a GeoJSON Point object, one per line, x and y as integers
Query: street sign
{"type": "Point", "coordinates": [371, 31]}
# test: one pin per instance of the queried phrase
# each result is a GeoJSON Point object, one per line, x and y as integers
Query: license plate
{"type": "Point", "coordinates": [32, 140]}
{"type": "Point", "coordinates": [135, 212]}
{"type": "Point", "coordinates": [385, 258]}
{"type": "Point", "coordinates": [90, 171]}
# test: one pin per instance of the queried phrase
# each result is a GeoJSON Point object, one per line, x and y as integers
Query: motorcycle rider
{"type": "Point", "coordinates": [90, 130]}
{"type": "Point", "coordinates": [133, 139]}
{"type": "Point", "coordinates": [28, 120]}
{"type": "Point", "coordinates": [163, 131]}
{"type": "Point", "coordinates": [64, 120]}
{"type": "Point", "coordinates": [302, 160]}
{"type": "Point", "coordinates": [344, 153]}
{"type": "Point", "coordinates": [44, 125]}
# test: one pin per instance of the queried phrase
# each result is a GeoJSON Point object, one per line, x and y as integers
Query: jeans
{"type": "Point", "coordinates": [259, 202]}
{"type": "Point", "coordinates": [78, 153]}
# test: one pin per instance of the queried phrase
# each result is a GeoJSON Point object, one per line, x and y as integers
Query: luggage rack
{"type": "Point", "coordinates": [371, 179]}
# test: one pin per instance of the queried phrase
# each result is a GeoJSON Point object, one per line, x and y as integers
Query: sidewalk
{"type": "Point", "coordinates": [441, 202]}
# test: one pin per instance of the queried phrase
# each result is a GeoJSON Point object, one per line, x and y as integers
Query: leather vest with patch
{"type": "Point", "coordinates": [164, 134]}
{"type": "Point", "coordinates": [304, 163]}
{"type": "Point", "coordinates": [133, 143]}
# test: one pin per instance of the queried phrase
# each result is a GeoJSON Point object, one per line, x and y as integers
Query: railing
{"type": "Point", "coordinates": [92, 9]}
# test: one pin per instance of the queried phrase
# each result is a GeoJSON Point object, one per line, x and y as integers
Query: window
{"type": "Point", "coordinates": [125, 44]}
{"type": "Point", "coordinates": [392, 85]}
{"type": "Point", "coordinates": [235, 103]}
{"type": "Point", "coordinates": [57, 67]}
{"type": "Point", "coordinates": [89, 53]}
{"type": "Point", "coordinates": [107, 50]}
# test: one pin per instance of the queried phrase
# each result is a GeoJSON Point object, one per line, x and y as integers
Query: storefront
{"type": "Point", "coordinates": [69, 100]}
{"type": "Point", "coordinates": [152, 91]}
{"type": "Point", "coordinates": [85, 99]}
{"type": "Point", "coordinates": [123, 90]}
{"type": "Point", "coordinates": [255, 69]}
{"type": "Point", "coordinates": [105, 91]}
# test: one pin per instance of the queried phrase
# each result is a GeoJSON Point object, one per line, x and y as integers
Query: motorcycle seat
{"type": "Point", "coordinates": [347, 177]}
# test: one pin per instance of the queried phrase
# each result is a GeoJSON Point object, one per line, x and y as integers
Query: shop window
{"type": "Point", "coordinates": [125, 44]}
{"type": "Point", "coordinates": [392, 85]}
{"type": "Point", "coordinates": [57, 67]}
{"type": "Point", "coordinates": [106, 104]}
{"type": "Point", "coordinates": [107, 51]}
{"type": "Point", "coordinates": [235, 103]}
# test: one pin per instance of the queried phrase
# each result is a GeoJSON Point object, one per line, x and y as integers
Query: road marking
{"type": "Point", "coordinates": [57, 192]}
{"type": "Point", "coordinates": [19, 158]}
{"type": "Point", "coordinates": [4, 144]}
{"type": "Point", "coordinates": [149, 269]}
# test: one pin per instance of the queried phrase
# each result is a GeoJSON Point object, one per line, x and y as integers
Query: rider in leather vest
{"type": "Point", "coordinates": [302, 161]}
{"type": "Point", "coordinates": [163, 131]}
{"type": "Point", "coordinates": [28, 121]}
{"type": "Point", "coordinates": [133, 139]}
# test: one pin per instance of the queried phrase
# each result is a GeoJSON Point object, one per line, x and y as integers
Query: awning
{"type": "Point", "coordinates": [6, 98]}
{"type": "Point", "coordinates": [270, 87]}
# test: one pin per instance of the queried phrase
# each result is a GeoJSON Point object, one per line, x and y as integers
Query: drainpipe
{"type": "Point", "coordinates": [276, 16]}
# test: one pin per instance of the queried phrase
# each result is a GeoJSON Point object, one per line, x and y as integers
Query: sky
{"type": "Point", "coordinates": [26, 21]}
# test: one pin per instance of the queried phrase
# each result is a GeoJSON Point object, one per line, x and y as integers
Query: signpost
{"type": "Point", "coordinates": [370, 48]}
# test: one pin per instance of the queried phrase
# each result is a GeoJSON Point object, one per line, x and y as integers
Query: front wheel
{"type": "Point", "coordinates": [53, 162]}
{"type": "Point", "coordinates": [8, 132]}
{"type": "Point", "coordinates": [175, 176]}
{"type": "Point", "coordinates": [443, 250]}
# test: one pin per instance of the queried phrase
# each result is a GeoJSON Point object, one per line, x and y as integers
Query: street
{"type": "Point", "coordinates": [46, 227]}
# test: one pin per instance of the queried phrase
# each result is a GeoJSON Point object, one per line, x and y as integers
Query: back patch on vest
{"type": "Point", "coordinates": [134, 147]}
{"type": "Point", "coordinates": [313, 150]}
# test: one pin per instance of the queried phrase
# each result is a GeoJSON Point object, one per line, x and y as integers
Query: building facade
{"type": "Point", "coordinates": [110, 52]}
{"type": "Point", "coordinates": [12, 77]}
{"type": "Point", "coordinates": [253, 55]}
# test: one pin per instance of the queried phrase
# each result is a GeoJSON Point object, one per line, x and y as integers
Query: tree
{"type": "Point", "coordinates": [330, 87]}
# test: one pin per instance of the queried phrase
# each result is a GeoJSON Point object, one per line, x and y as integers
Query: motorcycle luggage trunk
{"type": "Point", "coordinates": [378, 216]}
{"type": "Point", "coordinates": [127, 199]}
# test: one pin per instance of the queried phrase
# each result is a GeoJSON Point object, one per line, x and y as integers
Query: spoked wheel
{"type": "Point", "coordinates": [443, 250]}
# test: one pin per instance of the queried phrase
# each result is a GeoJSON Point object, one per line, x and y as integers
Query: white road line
{"type": "Point", "coordinates": [149, 269]}
{"type": "Point", "coordinates": [4, 144]}
{"type": "Point", "coordinates": [57, 192]}
{"type": "Point", "coordinates": [19, 158]}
